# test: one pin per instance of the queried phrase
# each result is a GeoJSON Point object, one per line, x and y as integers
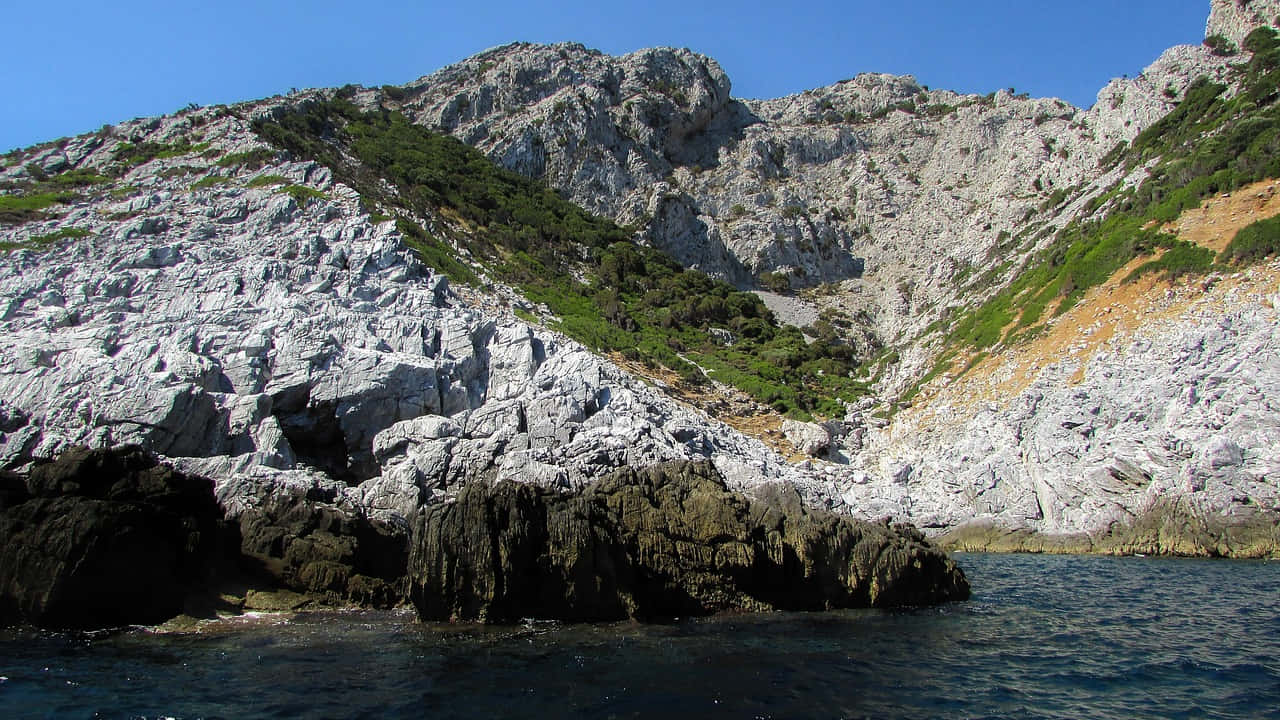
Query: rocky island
{"type": "Point", "coordinates": [551, 333]}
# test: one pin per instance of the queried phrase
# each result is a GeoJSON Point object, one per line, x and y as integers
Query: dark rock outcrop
{"type": "Point", "coordinates": [666, 541]}
{"type": "Point", "coordinates": [1168, 528]}
{"type": "Point", "coordinates": [99, 538]}
{"type": "Point", "coordinates": [306, 544]}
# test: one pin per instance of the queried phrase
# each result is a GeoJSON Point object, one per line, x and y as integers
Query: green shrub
{"type": "Point", "coordinates": [1255, 242]}
{"type": "Point", "coordinates": [302, 194]}
{"type": "Point", "coordinates": [40, 242]}
{"type": "Point", "coordinates": [131, 154]}
{"type": "Point", "coordinates": [210, 181]}
{"type": "Point", "coordinates": [23, 208]}
{"type": "Point", "coordinates": [775, 282]}
{"type": "Point", "coordinates": [266, 181]}
{"type": "Point", "coordinates": [1220, 45]}
{"type": "Point", "coordinates": [250, 159]}
{"type": "Point", "coordinates": [1182, 259]}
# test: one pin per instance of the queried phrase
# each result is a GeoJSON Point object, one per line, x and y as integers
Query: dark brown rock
{"type": "Point", "coordinates": [308, 545]}
{"type": "Point", "coordinates": [105, 538]}
{"type": "Point", "coordinates": [666, 541]}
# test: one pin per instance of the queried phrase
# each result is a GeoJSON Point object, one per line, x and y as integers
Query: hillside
{"type": "Point", "coordinates": [544, 264]}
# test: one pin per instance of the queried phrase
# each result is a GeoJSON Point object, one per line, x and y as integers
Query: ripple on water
{"type": "Point", "coordinates": [1043, 637]}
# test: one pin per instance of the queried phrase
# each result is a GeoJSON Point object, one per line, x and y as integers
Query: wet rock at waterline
{"type": "Point", "coordinates": [100, 538]}
{"type": "Point", "coordinates": [666, 541]}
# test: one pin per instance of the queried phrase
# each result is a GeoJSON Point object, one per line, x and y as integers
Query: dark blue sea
{"type": "Point", "coordinates": [1043, 637]}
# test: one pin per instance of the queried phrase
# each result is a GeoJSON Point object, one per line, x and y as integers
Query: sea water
{"type": "Point", "coordinates": [1042, 637]}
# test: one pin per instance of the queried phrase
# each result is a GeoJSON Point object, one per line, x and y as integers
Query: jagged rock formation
{"type": "Point", "coordinates": [667, 541]}
{"type": "Point", "coordinates": [894, 193]}
{"type": "Point", "coordinates": [100, 538]}
{"type": "Point", "coordinates": [1234, 19]}
{"type": "Point", "coordinates": [904, 213]}
{"type": "Point", "coordinates": [306, 544]}
{"type": "Point", "coordinates": [328, 381]}
{"type": "Point", "coordinates": [329, 357]}
{"type": "Point", "coordinates": [242, 314]}
{"type": "Point", "coordinates": [1179, 408]}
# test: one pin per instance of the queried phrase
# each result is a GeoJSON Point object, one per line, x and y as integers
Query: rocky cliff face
{"type": "Point", "coordinates": [263, 330]}
{"type": "Point", "coordinates": [888, 201]}
{"type": "Point", "coordinates": [1234, 19]}
{"type": "Point", "coordinates": [877, 193]}
{"type": "Point", "coordinates": [243, 314]}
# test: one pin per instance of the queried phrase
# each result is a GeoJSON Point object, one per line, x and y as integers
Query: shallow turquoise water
{"type": "Point", "coordinates": [1043, 637]}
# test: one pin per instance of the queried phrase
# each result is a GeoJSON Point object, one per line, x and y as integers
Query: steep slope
{"type": "Point", "coordinates": [245, 316]}
{"type": "Point", "coordinates": [1119, 389]}
{"type": "Point", "coordinates": [882, 197]}
{"type": "Point", "coordinates": [906, 210]}
{"type": "Point", "coordinates": [294, 296]}
{"type": "Point", "coordinates": [179, 285]}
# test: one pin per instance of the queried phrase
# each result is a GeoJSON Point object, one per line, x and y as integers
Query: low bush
{"type": "Point", "coordinates": [262, 181]}
{"type": "Point", "coordinates": [302, 194]}
{"type": "Point", "coordinates": [249, 159]}
{"type": "Point", "coordinates": [1255, 242]}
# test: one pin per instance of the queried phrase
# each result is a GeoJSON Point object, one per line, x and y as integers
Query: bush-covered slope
{"type": "Point", "coordinates": [608, 291]}
{"type": "Point", "coordinates": [1209, 144]}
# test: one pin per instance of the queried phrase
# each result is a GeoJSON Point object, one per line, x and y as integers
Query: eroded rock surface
{"type": "Point", "coordinates": [666, 541]}
{"type": "Point", "coordinates": [243, 315]}
{"type": "Point", "coordinates": [101, 538]}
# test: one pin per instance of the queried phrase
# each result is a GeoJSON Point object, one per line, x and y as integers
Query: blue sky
{"type": "Point", "coordinates": [70, 67]}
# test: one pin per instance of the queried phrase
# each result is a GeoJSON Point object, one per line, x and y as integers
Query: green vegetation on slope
{"type": "Point", "coordinates": [609, 292]}
{"type": "Point", "coordinates": [1255, 242]}
{"type": "Point", "coordinates": [40, 242]}
{"type": "Point", "coordinates": [1205, 146]}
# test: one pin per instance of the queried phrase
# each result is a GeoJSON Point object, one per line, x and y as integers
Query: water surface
{"type": "Point", "coordinates": [1042, 637]}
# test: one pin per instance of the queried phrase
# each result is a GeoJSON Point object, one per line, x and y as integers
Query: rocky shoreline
{"type": "Point", "coordinates": [100, 538]}
{"type": "Point", "coordinates": [1168, 530]}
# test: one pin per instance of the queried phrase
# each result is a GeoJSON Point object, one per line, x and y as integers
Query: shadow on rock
{"type": "Point", "coordinates": [666, 541]}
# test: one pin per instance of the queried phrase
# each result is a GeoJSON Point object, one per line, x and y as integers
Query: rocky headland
{"type": "Point", "coordinates": [340, 345]}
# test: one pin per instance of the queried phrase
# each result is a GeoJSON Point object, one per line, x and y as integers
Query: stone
{"type": "Point", "coordinates": [105, 538]}
{"type": "Point", "coordinates": [667, 541]}
{"type": "Point", "coordinates": [808, 438]}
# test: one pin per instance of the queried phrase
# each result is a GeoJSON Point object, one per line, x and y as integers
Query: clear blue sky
{"type": "Point", "coordinates": [70, 67]}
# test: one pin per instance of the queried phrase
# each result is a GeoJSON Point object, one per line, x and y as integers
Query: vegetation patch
{"type": "Point", "coordinates": [267, 181]}
{"type": "Point", "coordinates": [77, 179]}
{"type": "Point", "coordinates": [40, 242]}
{"type": "Point", "coordinates": [1206, 146]}
{"type": "Point", "coordinates": [132, 154]}
{"type": "Point", "coordinates": [302, 194]}
{"type": "Point", "coordinates": [1253, 243]}
{"type": "Point", "coordinates": [16, 209]}
{"type": "Point", "coordinates": [249, 159]}
{"type": "Point", "coordinates": [210, 182]}
{"type": "Point", "coordinates": [608, 292]}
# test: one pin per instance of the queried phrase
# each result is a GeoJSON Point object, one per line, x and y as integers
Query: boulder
{"type": "Point", "coordinates": [670, 540]}
{"type": "Point", "coordinates": [101, 538]}
{"type": "Point", "coordinates": [305, 543]}
{"type": "Point", "coordinates": [809, 438]}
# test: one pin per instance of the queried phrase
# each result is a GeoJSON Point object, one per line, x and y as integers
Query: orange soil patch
{"type": "Point", "coordinates": [1116, 309]}
{"type": "Point", "coordinates": [1215, 223]}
